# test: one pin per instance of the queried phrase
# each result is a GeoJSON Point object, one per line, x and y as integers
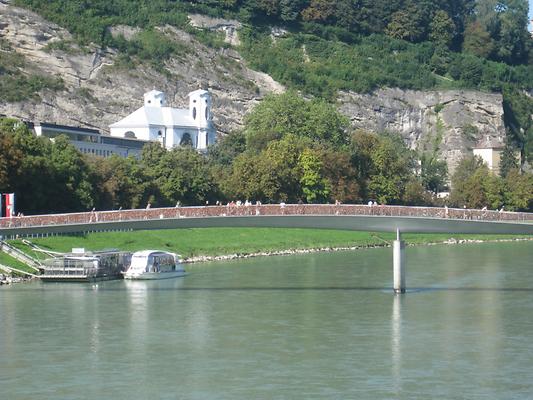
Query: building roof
{"type": "Point", "coordinates": [489, 147]}
{"type": "Point", "coordinates": [46, 125]}
{"type": "Point", "coordinates": [160, 116]}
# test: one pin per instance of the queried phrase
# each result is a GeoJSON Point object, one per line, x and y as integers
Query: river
{"type": "Point", "coordinates": [319, 326]}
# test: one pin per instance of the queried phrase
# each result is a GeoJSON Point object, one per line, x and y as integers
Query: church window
{"type": "Point", "coordinates": [149, 101]}
{"type": "Point", "coordinates": [159, 133]}
{"type": "Point", "coordinates": [194, 113]}
{"type": "Point", "coordinates": [186, 140]}
{"type": "Point", "coordinates": [206, 113]}
{"type": "Point", "coordinates": [130, 135]}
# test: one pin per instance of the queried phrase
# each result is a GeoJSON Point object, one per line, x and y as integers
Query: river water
{"type": "Point", "coordinates": [321, 326]}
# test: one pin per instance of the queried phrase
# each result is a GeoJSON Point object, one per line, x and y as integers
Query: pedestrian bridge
{"type": "Point", "coordinates": [344, 217]}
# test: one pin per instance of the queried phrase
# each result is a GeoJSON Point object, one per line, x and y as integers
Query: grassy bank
{"type": "Point", "coordinates": [223, 241]}
{"type": "Point", "coordinates": [9, 261]}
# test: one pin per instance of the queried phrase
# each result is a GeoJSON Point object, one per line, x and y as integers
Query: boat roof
{"type": "Point", "coordinates": [146, 253]}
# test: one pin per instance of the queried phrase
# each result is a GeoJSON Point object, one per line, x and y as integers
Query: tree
{"type": "Point", "coordinates": [392, 164]}
{"type": "Point", "coordinates": [314, 186]}
{"type": "Point", "coordinates": [183, 175]}
{"type": "Point", "coordinates": [433, 173]}
{"type": "Point", "coordinates": [341, 175]}
{"type": "Point", "coordinates": [442, 29]}
{"type": "Point", "coordinates": [513, 34]}
{"type": "Point", "coordinates": [403, 26]}
{"type": "Point", "coordinates": [440, 60]}
{"type": "Point", "coordinates": [74, 191]}
{"type": "Point", "coordinates": [120, 182]}
{"type": "Point", "coordinates": [508, 160]}
{"type": "Point", "coordinates": [319, 10]}
{"type": "Point", "coordinates": [224, 151]}
{"type": "Point", "coordinates": [279, 115]}
{"type": "Point", "coordinates": [518, 191]}
{"type": "Point", "coordinates": [10, 156]}
{"type": "Point", "coordinates": [415, 194]}
{"type": "Point", "coordinates": [477, 40]}
{"type": "Point", "coordinates": [470, 182]}
{"type": "Point", "coordinates": [272, 175]}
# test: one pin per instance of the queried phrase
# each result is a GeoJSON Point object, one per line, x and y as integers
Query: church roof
{"type": "Point", "coordinates": [162, 116]}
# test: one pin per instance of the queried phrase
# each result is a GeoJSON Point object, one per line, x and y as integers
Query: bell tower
{"type": "Point", "coordinates": [155, 98]}
{"type": "Point", "coordinates": [200, 108]}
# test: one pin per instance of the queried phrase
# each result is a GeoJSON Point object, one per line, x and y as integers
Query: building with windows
{"type": "Point", "coordinates": [171, 127]}
{"type": "Point", "coordinates": [90, 141]}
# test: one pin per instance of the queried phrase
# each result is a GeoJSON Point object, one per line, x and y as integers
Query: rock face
{"type": "Point", "coordinates": [100, 90]}
{"type": "Point", "coordinates": [448, 124]}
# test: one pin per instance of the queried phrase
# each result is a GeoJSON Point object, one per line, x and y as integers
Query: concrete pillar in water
{"type": "Point", "coordinates": [398, 263]}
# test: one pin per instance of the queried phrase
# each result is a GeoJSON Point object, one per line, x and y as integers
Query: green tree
{"type": "Point", "coordinates": [10, 156]}
{"type": "Point", "coordinates": [314, 186]}
{"type": "Point", "coordinates": [392, 164]}
{"type": "Point", "coordinates": [470, 183]}
{"type": "Point", "coordinates": [271, 175]}
{"type": "Point", "coordinates": [279, 115]}
{"type": "Point", "coordinates": [433, 173]}
{"type": "Point", "coordinates": [183, 175]}
{"type": "Point", "coordinates": [518, 191]}
{"type": "Point", "coordinates": [341, 175]}
{"type": "Point", "coordinates": [415, 194]}
{"type": "Point", "coordinates": [477, 40]}
{"type": "Point", "coordinates": [442, 29]}
{"type": "Point", "coordinates": [513, 34]}
{"type": "Point", "coordinates": [120, 182]}
{"type": "Point", "coordinates": [508, 160]}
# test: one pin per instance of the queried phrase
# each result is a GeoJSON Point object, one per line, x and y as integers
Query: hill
{"type": "Point", "coordinates": [457, 78]}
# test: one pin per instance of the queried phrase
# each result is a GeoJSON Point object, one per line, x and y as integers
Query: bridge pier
{"type": "Point", "coordinates": [398, 264]}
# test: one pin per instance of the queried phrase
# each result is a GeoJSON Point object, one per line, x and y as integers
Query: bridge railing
{"type": "Point", "coordinates": [267, 209]}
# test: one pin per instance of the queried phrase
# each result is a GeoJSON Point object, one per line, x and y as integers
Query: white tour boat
{"type": "Point", "coordinates": [154, 264]}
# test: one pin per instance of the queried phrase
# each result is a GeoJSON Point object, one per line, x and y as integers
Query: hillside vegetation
{"type": "Point", "coordinates": [296, 146]}
{"type": "Point", "coordinates": [327, 46]}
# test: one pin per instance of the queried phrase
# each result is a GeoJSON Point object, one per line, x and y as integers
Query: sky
{"type": "Point", "coordinates": [530, 14]}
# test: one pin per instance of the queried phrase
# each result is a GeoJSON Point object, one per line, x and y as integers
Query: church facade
{"type": "Point", "coordinates": [171, 127]}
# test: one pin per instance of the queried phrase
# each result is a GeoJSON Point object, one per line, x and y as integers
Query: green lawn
{"type": "Point", "coordinates": [9, 261]}
{"type": "Point", "coordinates": [221, 241]}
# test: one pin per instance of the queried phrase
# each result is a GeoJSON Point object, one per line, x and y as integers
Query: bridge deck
{"type": "Point", "coordinates": [347, 217]}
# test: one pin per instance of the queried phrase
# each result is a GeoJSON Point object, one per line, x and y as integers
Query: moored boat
{"type": "Point", "coordinates": [154, 264]}
{"type": "Point", "coordinates": [85, 266]}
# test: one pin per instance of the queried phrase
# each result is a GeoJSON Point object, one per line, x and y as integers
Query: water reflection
{"type": "Point", "coordinates": [396, 342]}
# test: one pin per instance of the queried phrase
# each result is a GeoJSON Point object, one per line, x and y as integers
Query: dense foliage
{"type": "Point", "coordinates": [277, 157]}
{"type": "Point", "coordinates": [491, 28]}
{"type": "Point", "coordinates": [290, 149]}
{"type": "Point", "coordinates": [326, 46]}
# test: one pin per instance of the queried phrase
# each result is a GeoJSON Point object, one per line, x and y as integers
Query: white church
{"type": "Point", "coordinates": [155, 121]}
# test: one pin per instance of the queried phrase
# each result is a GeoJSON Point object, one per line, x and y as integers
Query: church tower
{"type": "Point", "coordinates": [200, 108]}
{"type": "Point", "coordinates": [200, 112]}
{"type": "Point", "coordinates": [155, 98]}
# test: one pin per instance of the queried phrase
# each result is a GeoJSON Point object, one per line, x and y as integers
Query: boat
{"type": "Point", "coordinates": [85, 266]}
{"type": "Point", "coordinates": [154, 264]}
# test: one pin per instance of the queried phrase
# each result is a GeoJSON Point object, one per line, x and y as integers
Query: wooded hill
{"type": "Point", "coordinates": [325, 46]}
{"type": "Point", "coordinates": [307, 151]}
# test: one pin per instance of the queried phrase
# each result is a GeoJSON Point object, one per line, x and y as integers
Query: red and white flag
{"type": "Point", "coordinates": [10, 204]}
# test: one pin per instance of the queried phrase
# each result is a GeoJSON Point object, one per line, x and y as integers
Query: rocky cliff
{"type": "Point", "coordinates": [99, 90]}
{"type": "Point", "coordinates": [448, 124]}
